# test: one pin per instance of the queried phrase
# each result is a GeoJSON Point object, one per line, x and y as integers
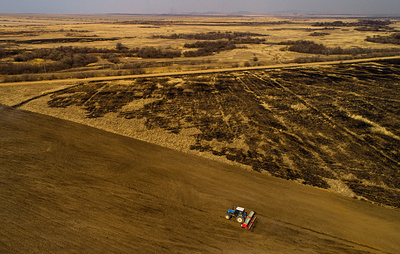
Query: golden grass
{"type": "Point", "coordinates": [139, 35]}
{"type": "Point", "coordinates": [12, 95]}
{"type": "Point", "coordinates": [375, 127]}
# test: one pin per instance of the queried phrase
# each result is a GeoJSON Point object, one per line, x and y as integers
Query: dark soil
{"type": "Point", "coordinates": [70, 188]}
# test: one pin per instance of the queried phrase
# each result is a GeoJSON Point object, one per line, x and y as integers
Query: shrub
{"type": "Point", "coordinates": [121, 47]}
{"type": "Point", "coordinates": [111, 58]}
{"type": "Point", "coordinates": [153, 52]}
{"type": "Point", "coordinates": [207, 48]}
{"type": "Point", "coordinates": [114, 60]}
{"type": "Point", "coordinates": [78, 60]}
{"type": "Point", "coordinates": [311, 47]}
{"type": "Point", "coordinates": [210, 36]}
{"type": "Point", "coordinates": [308, 47]}
{"type": "Point", "coordinates": [391, 39]}
{"type": "Point", "coordinates": [68, 61]}
{"type": "Point", "coordinates": [318, 34]}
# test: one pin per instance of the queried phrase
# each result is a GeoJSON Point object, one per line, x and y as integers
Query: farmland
{"type": "Point", "coordinates": [333, 127]}
{"type": "Point", "coordinates": [128, 132]}
{"type": "Point", "coordinates": [68, 187]}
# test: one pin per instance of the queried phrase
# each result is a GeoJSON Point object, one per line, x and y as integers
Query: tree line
{"type": "Point", "coordinates": [391, 39]}
{"type": "Point", "coordinates": [361, 25]}
{"type": "Point", "coordinates": [364, 22]}
{"type": "Point", "coordinates": [206, 48]}
{"type": "Point", "coordinates": [310, 47]}
{"type": "Point", "coordinates": [61, 58]}
{"type": "Point", "coordinates": [209, 36]}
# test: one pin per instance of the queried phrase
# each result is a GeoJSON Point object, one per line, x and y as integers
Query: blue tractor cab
{"type": "Point", "coordinates": [239, 214]}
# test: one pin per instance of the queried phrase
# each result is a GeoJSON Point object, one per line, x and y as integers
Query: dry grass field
{"type": "Point", "coordinates": [264, 40]}
{"type": "Point", "coordinates": [334, 127]}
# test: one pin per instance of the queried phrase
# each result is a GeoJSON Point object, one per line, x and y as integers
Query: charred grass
{"type": "Point", "coordinates": [311, 125]}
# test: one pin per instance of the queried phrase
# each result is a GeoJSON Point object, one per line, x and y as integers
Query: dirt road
{"type": "Point", "coordinates": [69, 188]}
{"type": "Point", "coordinates": [200, 71]}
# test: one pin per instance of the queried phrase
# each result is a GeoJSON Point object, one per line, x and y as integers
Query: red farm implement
{"type": "Point", "coordinates": [246, 220]}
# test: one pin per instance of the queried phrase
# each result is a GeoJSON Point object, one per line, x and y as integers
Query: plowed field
{"type": "Point", "coordinates": [70, 188]}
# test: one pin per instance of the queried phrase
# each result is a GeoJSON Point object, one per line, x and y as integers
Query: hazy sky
{"type": "Point", "coordinates": [181, 6]}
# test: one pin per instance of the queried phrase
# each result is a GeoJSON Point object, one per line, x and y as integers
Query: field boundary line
{"type": "Point", "coordinates": [151, 75]}
{"type": "Point", "coordinates": [43, 95]}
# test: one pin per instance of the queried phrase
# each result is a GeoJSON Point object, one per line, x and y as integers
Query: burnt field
{"type": "Point", "coordinates": [335, 127]}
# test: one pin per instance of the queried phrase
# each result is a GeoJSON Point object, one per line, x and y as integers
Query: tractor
{"type": "Point", "coordinates": [246, 220]}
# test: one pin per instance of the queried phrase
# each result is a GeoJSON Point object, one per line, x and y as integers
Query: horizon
{"type": "Point", "coordinates": [185, 7]}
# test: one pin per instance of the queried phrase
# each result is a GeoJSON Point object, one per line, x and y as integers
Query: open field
{"type": "Point", "coordinates": [38, 45]}
{"type": "Point", "coordinates": [66, 187]}
{"type": "Point", "coordinates": [233, 106]}
{"type": "Point", "coordinates": [334, 127]}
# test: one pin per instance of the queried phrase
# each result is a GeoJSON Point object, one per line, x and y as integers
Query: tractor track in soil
{"type": "Point", "coordinates": [67, 187]}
